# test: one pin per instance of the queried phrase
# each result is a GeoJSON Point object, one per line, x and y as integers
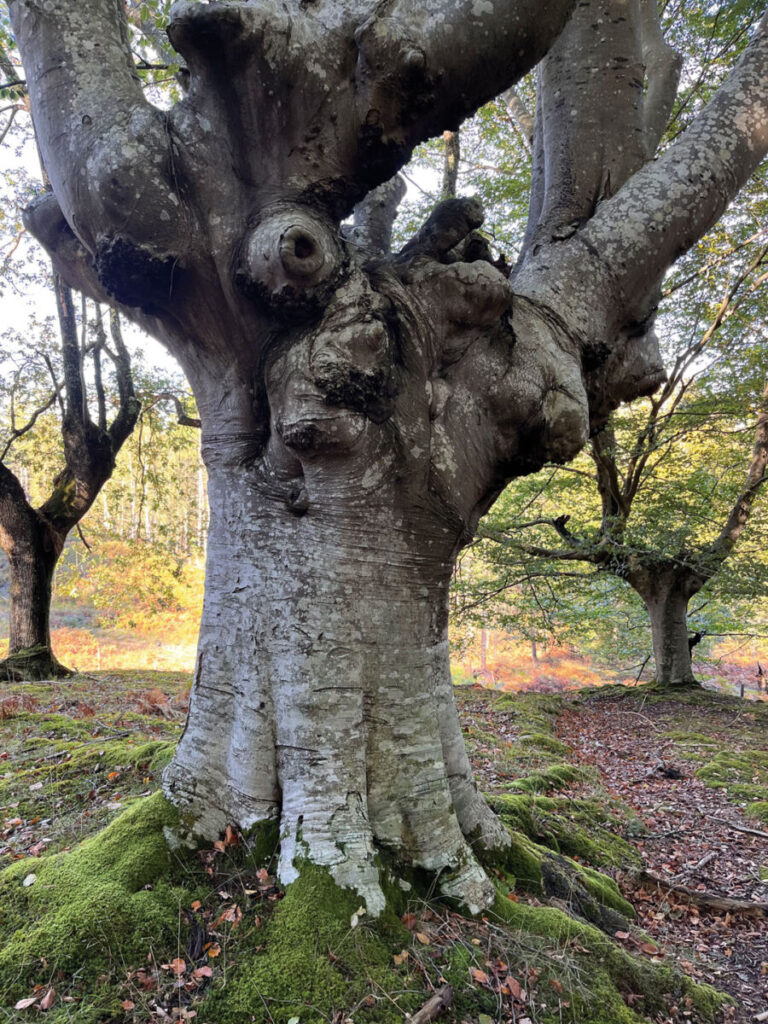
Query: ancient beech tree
{"type": "Point", "coordinates": [361, 410]}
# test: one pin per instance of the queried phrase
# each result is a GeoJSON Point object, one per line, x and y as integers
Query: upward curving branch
{"type": "Point", "coordinates": [105, 148]}
{"type": "Point", "coordinates": [669, 204]}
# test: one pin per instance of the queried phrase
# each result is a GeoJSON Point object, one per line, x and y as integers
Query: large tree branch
{"type": "Point", "coordinates": [439, 47]}
{"type": "Point", "coordinates": [662, 72]}
{"type": "Point", "coordinates": [669, 204]}
{"type": "Point", "coordinates": [106, 150]}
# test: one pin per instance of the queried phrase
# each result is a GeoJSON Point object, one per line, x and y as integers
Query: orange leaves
{"type": "Point", "coordinates": [16, 705]}
{"type": "Point", "coordinates": [178, 966]}
{"type": "Point", "coordinates": [231, 838]}
{"type": "Point", "coordinates": [498, 979]}
{"type": "Point", "coordinates": [231, 914]}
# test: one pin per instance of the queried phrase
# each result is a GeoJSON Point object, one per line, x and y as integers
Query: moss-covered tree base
{"type": "Point", "coordinates": [94, 922]}
{"type": "Point", "coordinates": [33, 664]}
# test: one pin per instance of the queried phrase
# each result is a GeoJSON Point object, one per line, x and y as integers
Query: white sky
{"type": "Point", "coordinates": [19, 309]}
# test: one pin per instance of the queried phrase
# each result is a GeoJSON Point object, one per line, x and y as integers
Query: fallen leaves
{"type": "Point", "coordinates": [43, 1002]}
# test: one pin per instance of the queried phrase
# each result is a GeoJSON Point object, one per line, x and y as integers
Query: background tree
{"type": "Point", "coordinates": [360, 415]}
{"type": "Point", "coordinates": [33, 537]}
{"type": "Point", "coordinates": [669, 510]}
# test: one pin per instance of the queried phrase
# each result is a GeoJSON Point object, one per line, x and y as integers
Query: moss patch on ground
{"type": "Point", "coordinates": [71, 919]}
{"type": "Point", "coordinates": [120, 926]}
{"type": "Point", "coordinates": [600, 978]}
{"type": "Point", "coordinates": [744, 775]}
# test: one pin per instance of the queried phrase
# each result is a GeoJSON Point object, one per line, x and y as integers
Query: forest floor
{"type": "Point", "coordinates": [668, 795]}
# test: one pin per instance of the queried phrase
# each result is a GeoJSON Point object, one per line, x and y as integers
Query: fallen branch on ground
{"type": "Point", "coordinates": [705, 899]}
{"type": "Point", "coordinates": [434, 1007]}
{"type": "Point", "coordinates": [740, 828]}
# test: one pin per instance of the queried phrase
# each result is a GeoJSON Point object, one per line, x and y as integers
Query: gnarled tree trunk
{"type": "Point", "coordinates": [361, 410]}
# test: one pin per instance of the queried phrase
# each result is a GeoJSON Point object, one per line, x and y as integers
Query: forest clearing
{"type": "Point", "coordinates": [383, 511]}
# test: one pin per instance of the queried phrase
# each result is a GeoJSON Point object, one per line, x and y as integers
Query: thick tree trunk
{"type": "Point", "coordinates": [666, 594]}
{"type": "Point", "coordinates": [669, 628]}
{"type": "Point", "coordinates": [32, 560]}
{"type": "Point", "coordinates": [322, 694]}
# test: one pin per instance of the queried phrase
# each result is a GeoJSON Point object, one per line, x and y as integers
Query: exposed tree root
{"type": "Point", "coordinates": [33, 664]}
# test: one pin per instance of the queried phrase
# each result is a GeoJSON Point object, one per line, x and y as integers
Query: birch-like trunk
{"type": "Point", "coordinates": [322, 695]}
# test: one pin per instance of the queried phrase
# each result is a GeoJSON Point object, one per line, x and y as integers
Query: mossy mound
{"type": "Point", "coordinates": [316, 958]}
{"type": "Point", "coordinates": [581, 828]}
{"type": "Point", "coordinates": [597, 978]}
{"type": "Point", "coordinates": [744, 775]}
{"type": "Point", "coordinates": [586, 893]}
{"type": "Point", "coordinates": [74, 916]}
{"type": "Point", "coordinates": [554, 777]}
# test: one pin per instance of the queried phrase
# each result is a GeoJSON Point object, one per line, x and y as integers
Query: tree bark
{"type": "Point", "coordinates": [32, 556]}
{"type": "Point", "coordinates": [359, 414]}
{"type": "Point", "coordinates": [322, 694]}
{"type": "Point", "coordinates": [666, 593]}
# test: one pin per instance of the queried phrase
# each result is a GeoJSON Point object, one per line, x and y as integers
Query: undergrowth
{"type": "Point", "coordinates": [120, 929]}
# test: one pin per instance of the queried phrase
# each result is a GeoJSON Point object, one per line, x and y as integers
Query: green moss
{"type": "Point", "coordinates": [597, 974]}
{"type": "Point", "coordinates": [744, 775]}
{"type": "Point", "coordinates": [556, 776]}
{"type": "Point", "coordinates": [683, 736]}
{"type": "Point", "coordinates": [310, 963]}
{"type": "Point", "coordinates": [109, 901]}
{"type": "Point", "coordinates": [579, 828]}
{"type": "Point", "coordinates": [545, 742]}
{"type": "Point", "coordinates": [759, 810]}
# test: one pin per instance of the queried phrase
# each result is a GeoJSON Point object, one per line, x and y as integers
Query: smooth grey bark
{"type": "Point", "coordinates": [359, 415]}
{"type": "Point", "coordinates": [666, 591]}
